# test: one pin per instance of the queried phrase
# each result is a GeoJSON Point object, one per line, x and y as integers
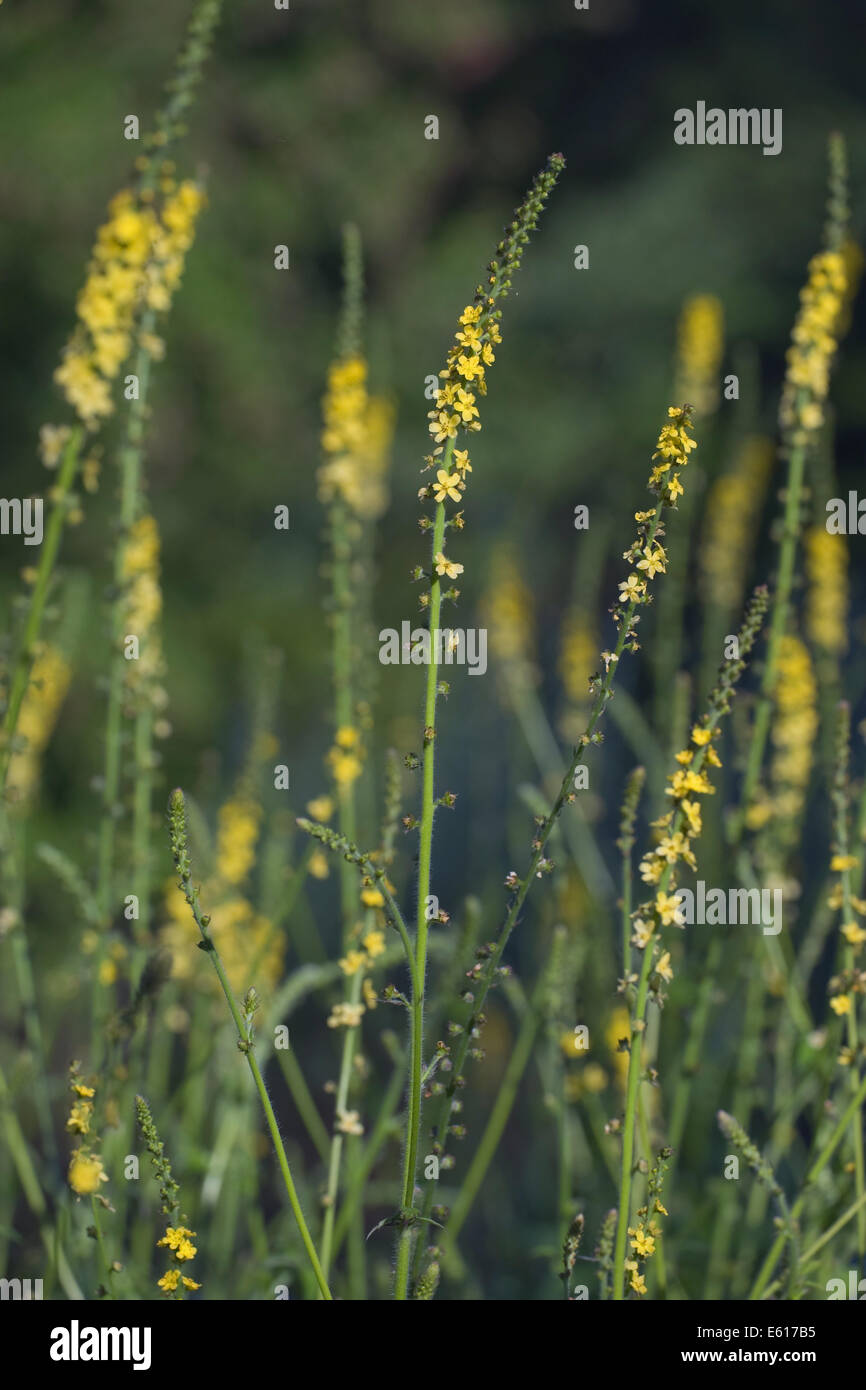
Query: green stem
{"type": "Point", "coordinates": [338, 1137]}
{"type": "Point", "coordinates": [246, 1046]}
{"type": "Point", "coordinates": [813, 1174]}
{"type": "Point", "coordinates": [416, 1015]}
{"type": "Point", "coordinates": [775, 633]}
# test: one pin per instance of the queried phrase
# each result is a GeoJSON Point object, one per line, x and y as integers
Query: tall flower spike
{"type": "Point", "coordinates": [464, 374]}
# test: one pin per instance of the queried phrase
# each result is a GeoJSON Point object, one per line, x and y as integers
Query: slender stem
{"type": "Point", "coordinates": [416, 1014]}
{"type": "Point", "coordinates": [337, 1139]}
{"type": "Point", "coordinates": [775, 633]}
{"type": "Point", "coordinates": [497, 1119]}
{"type": "Point", "coordinates": [130, 488]}
{"type": "Point", "coordinates": [841, 799]}
{"type": "Point", "coordinates": [244, 1038]}
{"type": "Point", "coordinates": [520, 893]}
{"type": "Point", "coordinates": [635, 1064]}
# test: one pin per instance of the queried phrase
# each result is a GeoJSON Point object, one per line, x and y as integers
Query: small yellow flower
{"type": "Point", "coordinates": [169, 1281]}
{"type": "Point", "coordinates": [841, 1004]}
{"type": "Point", "coordinates": [79, 1118]}
{"type": "Point", "coordinates": [663, 967]}
{"type": "Point", "coordinates": [701, 736]}
{"type": "Point", "coordinates": [631, 589]}
{"type": "Point", "coordinates": [374, 943]}
{"type": "Point", "coordinates": [190, 1283]}
{"type": "Point", "coordinates": [841, 862]}
{"type": "Point", "coordinates": [178, 1239]}
{"type": "Point", "coordinates": [692, 811]}
{"type": "Point", "coordinates": [642, 933]}
{"type": "Point", "coordinates": [86, 1092]}
{"type": "Point", "coordinates": [318, 865]}
{"type": "Point", "coordinates": [86, 1173]}
{"type": "Point", "coordinates": [853, 934]}
{"type": "Point", "coordinates": [352, 962]}
{"type": "Point", "coordinates": [642, 1244]}
{"type": "Point", "coordinates": [345, 1015]}
{"type": "Point", "coordinates": [653, 562]}
{"type": "Point", "coordinates": [446, 566]}
{"type": "Point", "coordinates": [348, 1122]}
{"type": "Point", "coordinates": [107, 972]}
{"type": "Point", "coordinates": [371, 897]}
{"type": "Point", "coordinates": [667, 906]}
{"type": "Point", "coordinates": [446, 486]}
{"type": "Point", "coordinates": [347, 737]}
{"type": "Point", "coordinates": [370, 998]}
{"type": "Point", "coordinates": [321, 808]}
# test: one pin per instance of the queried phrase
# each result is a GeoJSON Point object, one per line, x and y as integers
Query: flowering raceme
{"type": "Point", "coordinates": [137, 263]}
{"type": "Point", "coordinates": [700, 343]}
{"type": "Point", "coordinates": [356, 441]}
{"type": "Point", "coordinates": [46, 692]}
{"type": "Point", "coordinates": [814, 342]}
{"type": "Point", "coordinates": [827, 594]}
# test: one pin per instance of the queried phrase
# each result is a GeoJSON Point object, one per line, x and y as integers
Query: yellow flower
{"type": "Point", "coordinates": [827, 597]}
{"type": "Point", "coordinates": [178, 1239]}
{"type": "Point", "coordinates": [374, 943]}
{"type": "Point", "coordinates": [631, 589]}
{"type": "Point", "coordinates": [700, 345]}
{"type": "Point", "coordinates": [86, 1092]}
{"type": "Point", "coordinates": [346, 767]}
{"type": "Point", "coordinates": [79, 1118]}
{"type": "Point", "coordinates": [107, 972]}
{"type": "Point", "coordinates": [841, 1004]}
{"type": "Point", "coordinates": [321, 808]}
{"type": "Point", "coordinates": [52, 441]}
{"type": "Point", "coordinates": [190, 1283]}
{"type": "Point", "coordinates": [347, 736]}
{"type": "Point", "coordinates": [370, 998]}
{"type": "Point", "coordinates": [352, 961]}
{"type": "Point", "coordinates": [446, 486]}
{"type": "Point", "coordinates": [40, 708]}
{"type": "Point", "coordinates": [461, 462]}
{"type": "Point", "coordinates": [692, 812]}
{"type": "Point", "coordinates": [169, 1281]}
{"type": "Point", "coordinates": [701, 736]}
{"type": "Point", "coordinates": [654, 561]}
{"type": "Point", "coordinates": [348, 1122]}
{"type": "Point", "coordinates": [642, 1244]}
{"type": "Point", "coordinates": [86, 1172]}
{"type": "Point", "coordinates": [642, 933]}
{"type": "Point", "coordinates": [345, 1015]}
{"type": "Point", "coordinates": [447, 567]}
{"type": "Point", "coordinates": [854, 935]}
{"type": "Point", "coordinates": [237, 835]}
{"type": "Point", "coordinates": [318, 864]}
{"type": "Point", "coordinates": [638, 1283]}
{"type": "Point", "coordinates": [842, 862]}
{"type": "Point", "coordinates": [663, 967]}
{"type": "Point", "coordinates": [371, 897]}
{"type": "Point", "coordinates": [667, 906]}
